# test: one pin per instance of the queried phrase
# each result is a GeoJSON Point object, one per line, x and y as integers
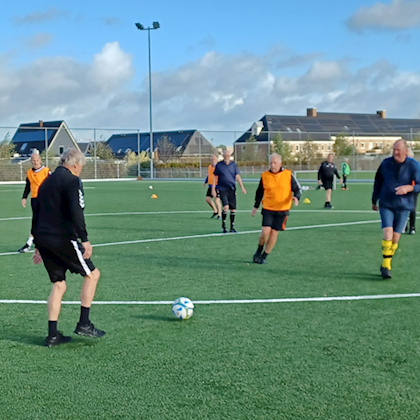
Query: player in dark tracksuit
{"type": "Point", "coordinates": [61, 242]}
{"type": "Point", "coordinates": [411, 223]}
{"type": "Point", "coordinates": [396, 182]}
{"type": "Point", "coordinates": [326, 173]}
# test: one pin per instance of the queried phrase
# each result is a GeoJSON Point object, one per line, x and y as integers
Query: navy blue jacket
{"type": "Point", "coordinates": [391, 175]}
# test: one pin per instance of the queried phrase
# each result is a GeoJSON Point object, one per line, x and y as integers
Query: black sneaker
{"type": "Point", "coordinates": [256, 257]}
{"type": "Point", "coordinates": [232, 230]}
{"type": "Point", "coordinates": [386, 274]}
{"type": "Point", "coordinates": [224, 230]}
{"type": "Point", "coordinates": [57, 339]}
{"type": "Point", "coordinates": [261, 260]}
{"type": "Point", "coordinates": [213, 216]}
{"type": "Point", "coordinates": [412, 232]}
{"type": "Point", "coordinates": [88, 330]}
{"type": "Point", "coordinates": [25, 248]}
{"type": "Point", "coordinates": [219, 218]}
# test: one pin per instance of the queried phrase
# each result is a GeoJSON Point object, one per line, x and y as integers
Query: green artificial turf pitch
{"type": "Point", "coordinates": [355, 359]}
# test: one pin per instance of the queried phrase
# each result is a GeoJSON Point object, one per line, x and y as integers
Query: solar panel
{"type": "Point", "coordinates": [289, 121]}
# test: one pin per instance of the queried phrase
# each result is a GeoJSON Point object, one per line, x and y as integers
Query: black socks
{"type": "Point", "coordinates": [52, 328]}
{"type": "Point", "coordinates": [84, 316]}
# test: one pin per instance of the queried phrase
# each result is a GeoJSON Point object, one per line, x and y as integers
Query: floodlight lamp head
{"type": "Point", "coordinates": [156, 25]}
{"type": "Point", "coordinates": [140, 26]}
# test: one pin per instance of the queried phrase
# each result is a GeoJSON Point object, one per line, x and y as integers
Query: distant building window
{"type": "Point", "coordinates": [329, 147]}
{"type": "Point", "coordinates": [322, 147]}
{"type": "Point", "coordinates": [362, 145]}
{"type": "Point", "coordinates": [297, 148]}
{"type": "Point", "coordinates": [23, 147]}
{"type": "Point", "coordinates": [119, 150]}
{"type": "Point", "coordinates": [60, 150]}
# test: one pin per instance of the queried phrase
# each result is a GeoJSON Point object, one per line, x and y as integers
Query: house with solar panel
{"type": "Point", "coordinates": [182, 145]}
{"type": "Point", "coordinates": [54, 136]}
{"type": "Point", "coordinates": [368, 134]}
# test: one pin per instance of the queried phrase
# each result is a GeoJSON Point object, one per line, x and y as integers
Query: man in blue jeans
{"type": "Point", "coordinates": [397, 180]}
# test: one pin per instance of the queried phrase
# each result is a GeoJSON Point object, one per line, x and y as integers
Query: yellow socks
{"type": "Point", "coordinates": [387, 253]}
{"type": "Point", "coordinates": [394, 248]}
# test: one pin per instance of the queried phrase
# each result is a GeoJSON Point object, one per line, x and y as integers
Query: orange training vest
{"type": "Point", "coordinates": [277, 190]}
{"type": "Point", "coordinates": [210, 174]}
{"type": "Point", "coordinates": [36, 179]}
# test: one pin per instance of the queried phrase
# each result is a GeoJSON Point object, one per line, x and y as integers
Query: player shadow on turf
{"type": "Point", "coordinates": [39, 341]}
{"type": "Point", "coordinates": [367, 277]}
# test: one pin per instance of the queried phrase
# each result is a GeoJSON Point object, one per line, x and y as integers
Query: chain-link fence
{"type": "Point", "coordinates": [190, 156]}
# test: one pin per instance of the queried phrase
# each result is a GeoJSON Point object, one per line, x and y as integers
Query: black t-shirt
{"type": "Point", "coordinates": [327, 171]}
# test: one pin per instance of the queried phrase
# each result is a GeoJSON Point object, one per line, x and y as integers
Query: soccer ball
{"type": "Point", "coordinates": [183, 308]}
{"type": "Point", "coordinates": [151, 187]}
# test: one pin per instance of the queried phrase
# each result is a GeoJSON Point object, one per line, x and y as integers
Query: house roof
{"type": "Point", "coordinates": [32, 135]}
{"type": "Point", "coordinates": [334, 123]}
{"type": "Point", "coordinates": [84, 145]}
{"type": "Point", "coordinates": [121, 143]}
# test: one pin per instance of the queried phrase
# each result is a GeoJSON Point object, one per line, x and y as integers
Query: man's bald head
{"type": "Point", "coordinates": [36, 160]}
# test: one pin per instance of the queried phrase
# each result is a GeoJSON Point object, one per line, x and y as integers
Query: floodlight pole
{"type": "Point", "coordinates": [139, 26]}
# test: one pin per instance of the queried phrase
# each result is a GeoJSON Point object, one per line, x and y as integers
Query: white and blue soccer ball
{"type": "Point", "coordinates": [183, 308]}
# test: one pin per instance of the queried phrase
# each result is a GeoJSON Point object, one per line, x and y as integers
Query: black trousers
{"type": "Point", "coordinates": [413, 213]}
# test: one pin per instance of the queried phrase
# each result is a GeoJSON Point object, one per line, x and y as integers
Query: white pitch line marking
{"type": "Point", "coordinates": [209, 235]}
{"type": "Point", "coordinates": [225, 302]}
{"type": "Point", "coordinates": [153, 213]}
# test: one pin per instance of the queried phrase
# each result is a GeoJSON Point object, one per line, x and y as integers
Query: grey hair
{"type": "Point", "coordinates": [404, 142]}
{"type": "Point", "coordinates": [72, 157]}
{"type": "Point", "coordinates": [275, 155]}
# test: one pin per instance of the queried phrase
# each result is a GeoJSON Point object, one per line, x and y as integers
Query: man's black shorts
{"type": "Point", "coordinates": [274, 219]}
{"type": "Point", "coordinates": [327, 183]}
{"type": "Point", "coordinates": [60, 255]}
{"type": "Point", "coordinates": [228, 198]}
{"type": "Point", "coordinates": [209, 192]}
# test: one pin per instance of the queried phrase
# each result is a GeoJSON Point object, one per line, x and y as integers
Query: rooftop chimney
{"type": "Point", "coordinates": [382, 113]}
{"type": "Point", "coordinates": [311, 112]}
{"type": "Point", "coordinates": [41, 123]}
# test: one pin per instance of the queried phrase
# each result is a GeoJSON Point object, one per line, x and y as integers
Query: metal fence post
{"type": "Point", "coordinates": [46, 147]}
{"type": "Point", "coordinates": [94, 153]}
{"type": "Point", "coordinates": [138, 154]}
{"type": "Point", "coordinates": [199, 153]}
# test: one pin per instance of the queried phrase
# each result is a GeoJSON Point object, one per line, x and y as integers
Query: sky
{"type": "Point", "coordinates": [216, 65]}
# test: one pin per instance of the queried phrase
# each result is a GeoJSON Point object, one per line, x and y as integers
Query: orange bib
{"type": "Point", "coordinates": [36, 179]}
{"type": "Point", "coordinates": [277, 190]}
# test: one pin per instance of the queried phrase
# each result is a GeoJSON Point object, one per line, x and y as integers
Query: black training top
{"type": "Point", "coordinates": [327, 171]}
{"type": "Point", "coordinates": [59, 210]}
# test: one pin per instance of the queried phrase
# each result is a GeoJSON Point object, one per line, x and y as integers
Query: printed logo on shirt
{"type": "Point", "coordinates": [81, 199]}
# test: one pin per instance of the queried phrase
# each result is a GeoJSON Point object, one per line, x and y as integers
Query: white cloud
{"type": "Point", "coordinates": [216, 92]}
{"type": "Point", "coordinates": [399, 14]}
{"type": "Point", "coordinates": [111, 67]}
